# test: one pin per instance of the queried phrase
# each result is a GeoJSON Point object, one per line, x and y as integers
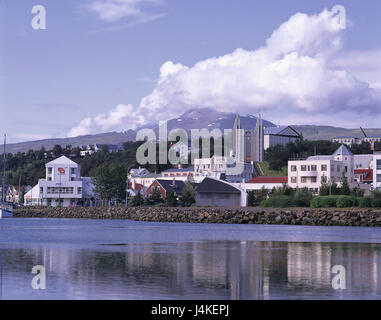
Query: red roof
{"type": "Point", "coordinates": [269, 180]}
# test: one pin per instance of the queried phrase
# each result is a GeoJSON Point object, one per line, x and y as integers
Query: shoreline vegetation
{"type": "Point", "coordinates": [249, 215]}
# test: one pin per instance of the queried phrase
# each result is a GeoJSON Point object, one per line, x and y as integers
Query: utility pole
{"type": "Point", "coordinates": [127, 187]}
{"type": "Point", "coordinates": [3, 178]}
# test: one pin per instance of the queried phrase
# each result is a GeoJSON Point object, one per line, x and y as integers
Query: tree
{"type": "Point", "coordinates": [137, 200]}
{"type": "Point", "coordinates": [188, 196]}
{"type": "Point", "coordinates": [251, 198]}
{"type": "Point", "coordinates": [110, 181]}
{"type": "Point", "coordinates": [261, 194]}
{"type": "Point", "coordinates": [155, 196]}
{"type": "Point", "coordinates": [170, 199]}
{"type": "Point", "coordinates": [345, 189]}
{"type": "Point", "coordinates": [57, 150]}
{"type": "Point", "coordinates": [324, 187]}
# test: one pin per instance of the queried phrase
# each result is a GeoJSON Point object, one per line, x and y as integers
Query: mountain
{"type": "Point", "coordinates": [116, 138]}
{"type": "Point", "coordinates": [210, 119]}
{"type": "Point", "coordinates": [192, 119]}
{"type": "Point", "coordinates": [328, 133]}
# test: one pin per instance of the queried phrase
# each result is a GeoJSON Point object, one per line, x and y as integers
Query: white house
{"type": "Point", "coordinates": [347, 140]}
{"type": "Point", "coordinates": [62, 186]}
{"type": "Point", "coordinates": [313, 171]}
{"type": "Point", "coordinates": [377, 171]}
{"type": "Point", "coordinates": [217, 167]}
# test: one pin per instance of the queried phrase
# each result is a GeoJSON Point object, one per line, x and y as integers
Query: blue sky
{"type": "Point", "coordinates": [85, 64]}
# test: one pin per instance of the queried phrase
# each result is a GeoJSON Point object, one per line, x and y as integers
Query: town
{"type": "Point", "coordinates": [209, 181]}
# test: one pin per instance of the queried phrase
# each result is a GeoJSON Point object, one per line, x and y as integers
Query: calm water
{"type": "Point", "coordinates": [97, 259]}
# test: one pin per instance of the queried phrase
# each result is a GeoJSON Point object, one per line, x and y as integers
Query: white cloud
{"type": "Point", "coordinates": [292, 78]}
{"type": "Point", "coordinates": [118, 119]}
{"type": "Point", "coordinates": [365, 65]}
{"type": "Point", "coordinates": [301, 75]}
{"type": "Point", "coordinates": [114, 10]}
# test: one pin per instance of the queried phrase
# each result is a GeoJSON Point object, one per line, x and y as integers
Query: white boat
{"type": "Point", "coordinates": [6, 209]}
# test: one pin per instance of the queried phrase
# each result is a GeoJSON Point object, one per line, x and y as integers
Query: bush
{"type": "Point", "coordinates": [376, 203]}
{"type": "Point", "coordinates": [365, 202]}
{"type": "Point", "coordinates": [345, 202]}
{"type": "Point", "coordinates": [324, 202]}
{"type": "Point", "coordinates": [278, 202]}
{"type": "Point", "coordinates": [303, 198]}
{"type": "Point", "coordinates": [315, 202]}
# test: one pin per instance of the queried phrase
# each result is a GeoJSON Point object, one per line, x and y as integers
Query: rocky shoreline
{"type": "Point", "coordinates": [292, 216]}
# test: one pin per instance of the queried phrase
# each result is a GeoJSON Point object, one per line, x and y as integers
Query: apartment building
{"type": "Point", "coordinates": [217, 167]}
{"type": "Point", "coordinates": [314, 171]}
{"type": "Point", "coordinates": [377, 172]}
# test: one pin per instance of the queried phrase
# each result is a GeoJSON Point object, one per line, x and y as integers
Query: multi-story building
{"type": "Point", "coordinates": [347, 140]}
{"type": "Point", "coordinates": [219, 167]}
{"type": "Point", "coordinates": [377, 171]}
{"type": "Point", "coordinates": [314, 171]}
{"type": "Point", "coordinates": [62, 186]}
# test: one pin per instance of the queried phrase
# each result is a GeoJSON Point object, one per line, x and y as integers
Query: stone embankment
{"type": "Point", "coordinates": [292, 216]}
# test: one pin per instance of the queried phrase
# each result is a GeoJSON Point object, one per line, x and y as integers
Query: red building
{"type": "Point", "coordinates": [164, 186]}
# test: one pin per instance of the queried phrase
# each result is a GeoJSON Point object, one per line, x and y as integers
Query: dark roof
{"type": "Point", "coordinates": [168, 185]}
{"type": "Point", "coordinates": [342, 151]}
{"type": "Point", "coordinates": [209, 185]}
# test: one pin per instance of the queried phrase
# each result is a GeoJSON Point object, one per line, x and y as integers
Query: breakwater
{"type": "Point", "coordinates": [292, 216]}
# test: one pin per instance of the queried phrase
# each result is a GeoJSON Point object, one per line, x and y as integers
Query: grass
{"type": "Point", "coordinates": [272, 173]}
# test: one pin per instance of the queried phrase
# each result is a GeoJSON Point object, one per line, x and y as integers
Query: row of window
{"type": "Point", "coordinates": [323, 179]}
{"type": "Point", "coordinates": [313, 167]}
{"type": "Point", "coordinates": [61, 190]}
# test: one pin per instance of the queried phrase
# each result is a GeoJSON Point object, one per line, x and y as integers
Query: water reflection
{"type": "Point", "coordinates": [194, 270]}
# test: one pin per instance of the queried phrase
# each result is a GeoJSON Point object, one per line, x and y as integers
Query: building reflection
{"type": "Point", "coordinates": [198, 270]}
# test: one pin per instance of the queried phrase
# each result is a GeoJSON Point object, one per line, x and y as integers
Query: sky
{"type": "Point", "coordinates": [115, 65]}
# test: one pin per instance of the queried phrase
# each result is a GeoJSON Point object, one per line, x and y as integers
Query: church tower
{"type": "Point", "coordinates": [257, 142]}
{"type": "Point", "coordinates": [236, 136]}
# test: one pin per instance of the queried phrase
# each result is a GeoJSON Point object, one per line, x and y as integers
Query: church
{"type": "Point", "coordinates": [259, 139]}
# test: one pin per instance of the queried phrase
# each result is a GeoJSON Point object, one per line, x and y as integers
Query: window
{"type": "Point", "coordinates": [49, 178]}
{"type": "Point", "coordinates": [314, 167]}
{"type": "Point", "coordinates": [323, 179]}
{"type": "Point", "coordinates": [303, 168]}
{"type": "Point", "coordinates": [313, 179]}
{"type": "Point", "coordinates": [379, 178]}
{"type": "Point", "coordinates": [61, 190]}
{"type": "Point", "coordinates": [49, 170]}
{"type": "Point", "coordinates": [303, 180]}
{"type": "Point", "coordinates": [293, 168]}
{"type": "Point", "coordinates": [378, 164]}
{"type": "Point", "coordinates": [72, 170]}
{"type": "Point", "coordinates": [41, 189]}
{"type": "Point", "coordinates": [323, 167]}
{"type": "Point", "coordinates": [293, 179]}
{"type": "Point", "coordinates": [79, 191]}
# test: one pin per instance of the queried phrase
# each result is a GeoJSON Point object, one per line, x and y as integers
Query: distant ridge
{"type": "Point", "coordinates": [193, 119]}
